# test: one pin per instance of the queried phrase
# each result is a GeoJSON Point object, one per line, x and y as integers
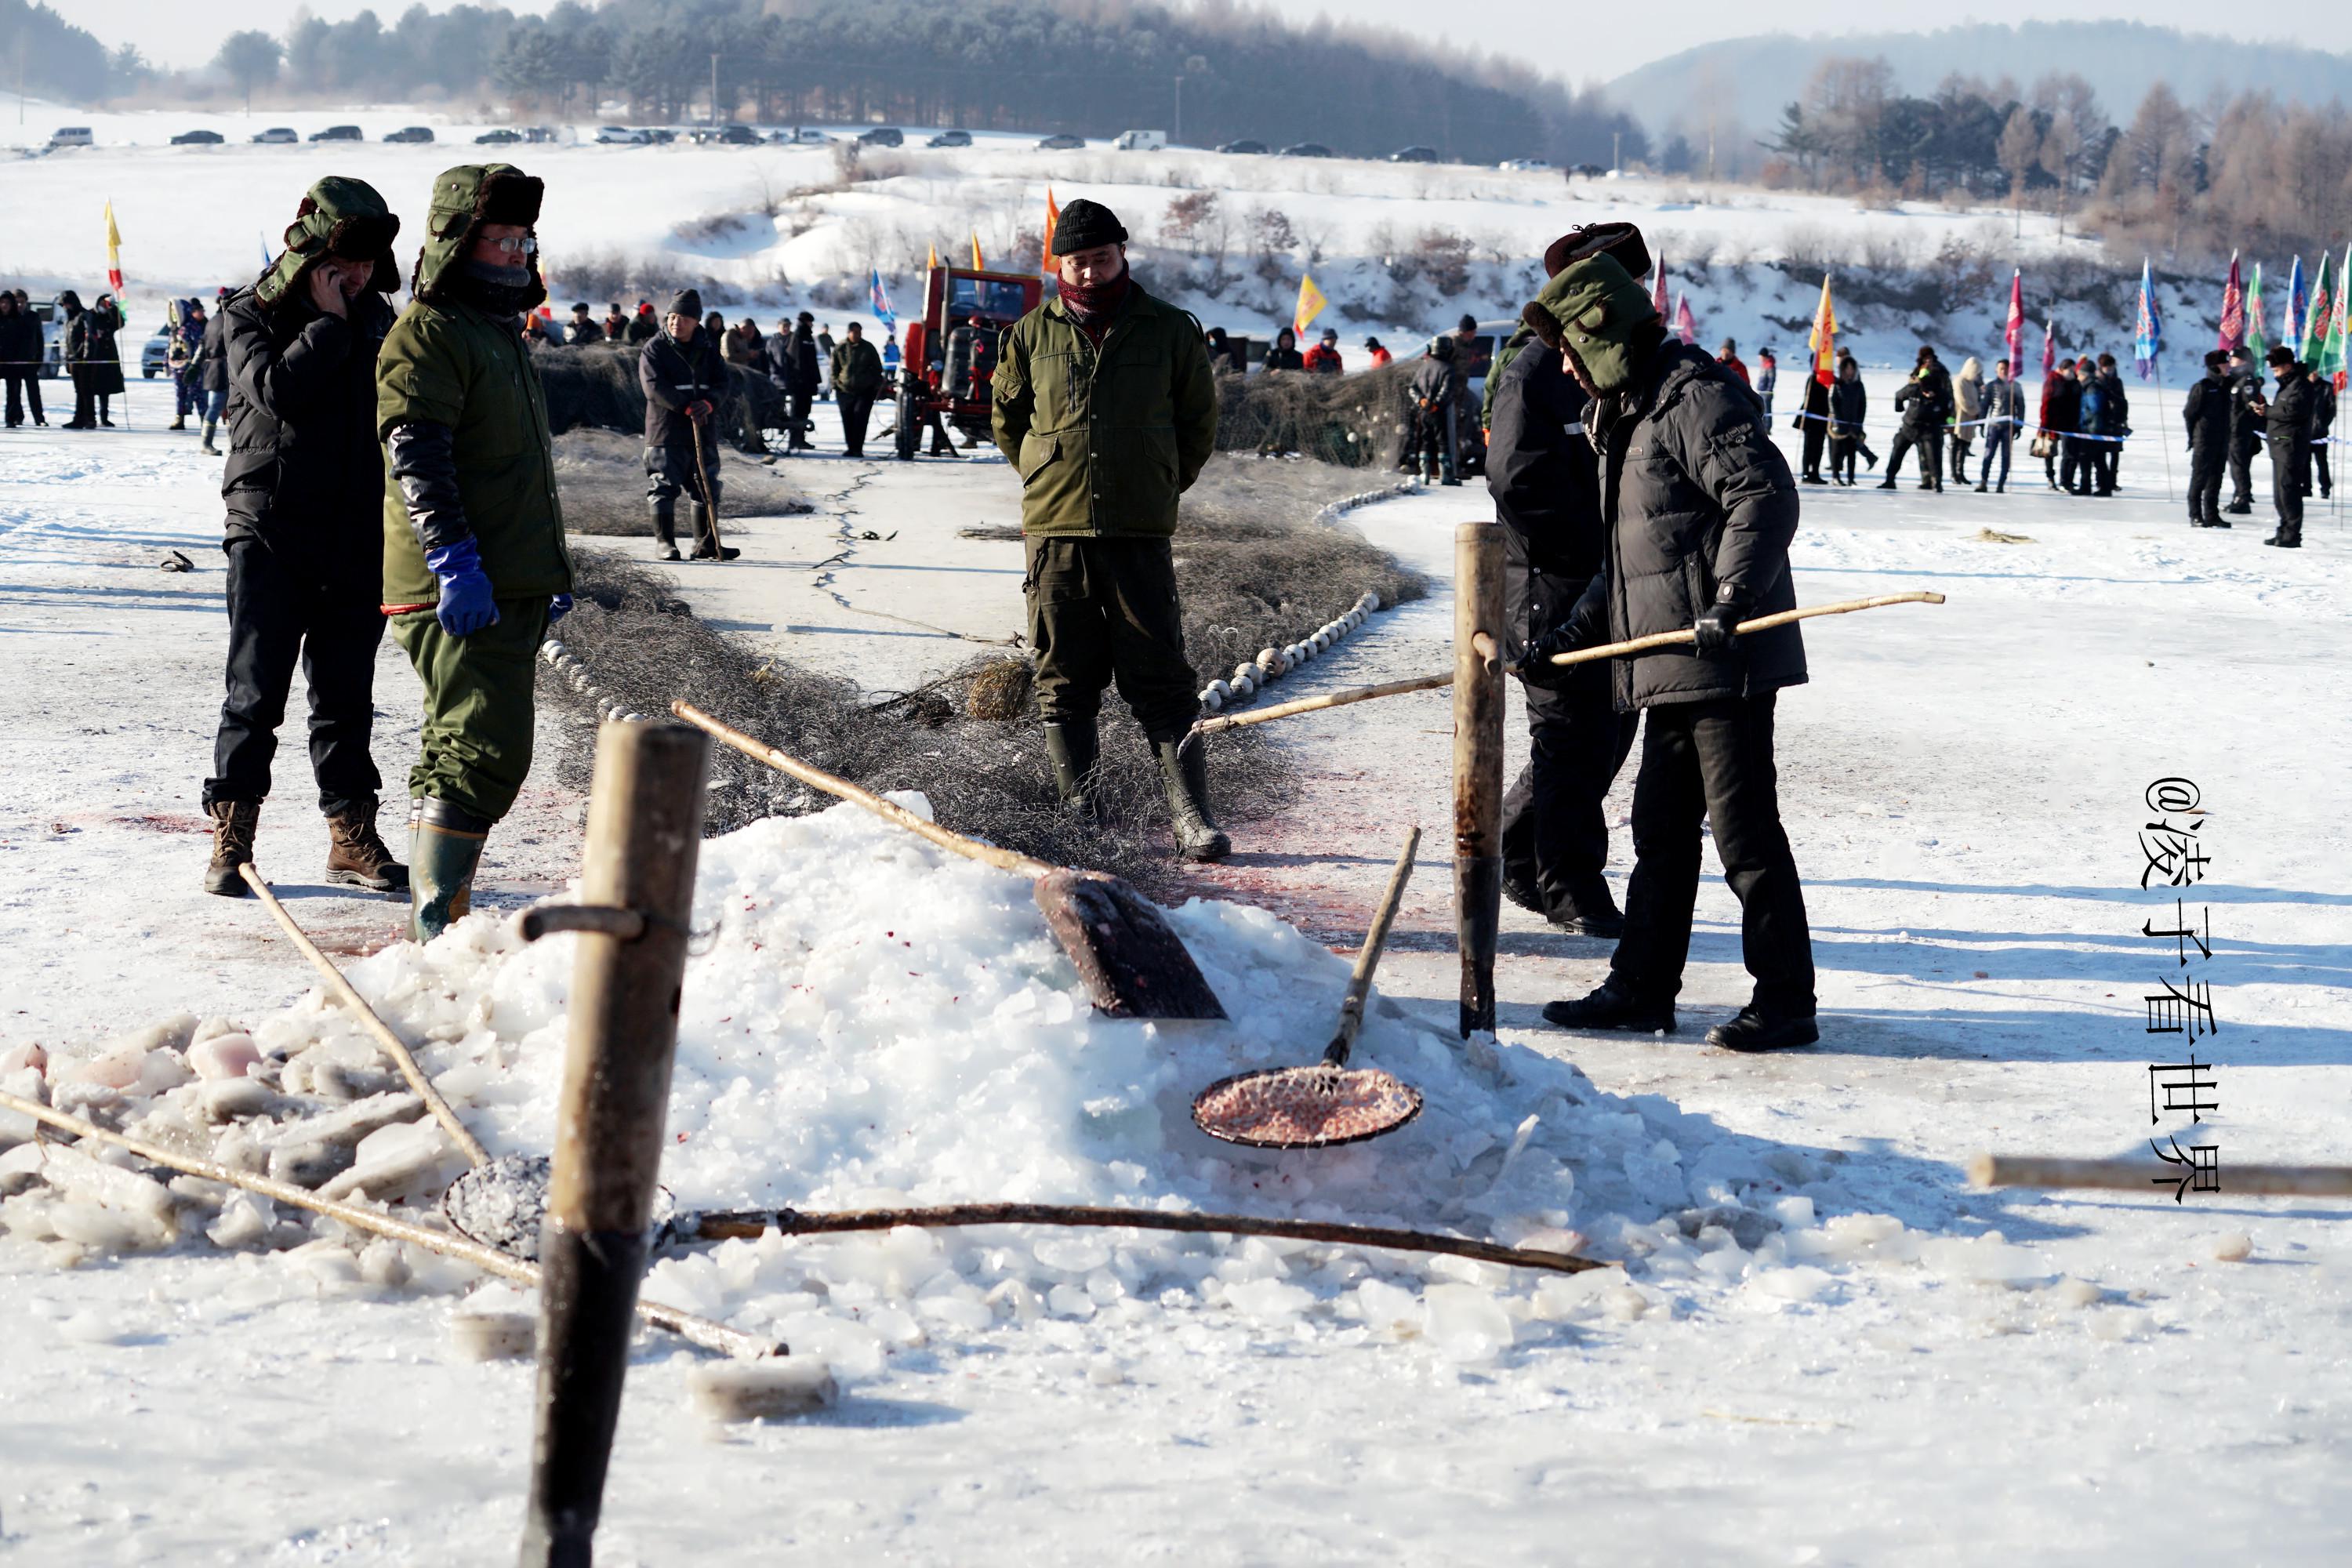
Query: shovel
{"type": "Point", "coordinates": [1328, 1102]}
{"type": "Point", "coordinates": [1130, 961]}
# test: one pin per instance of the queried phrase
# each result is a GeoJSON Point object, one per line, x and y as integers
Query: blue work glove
{"type": "Point", "coordinates": [1715, 626]}
{"type": "Point", "coordinates": [466, 604]}
{"type": "Point", "coordinates": [557, 607]}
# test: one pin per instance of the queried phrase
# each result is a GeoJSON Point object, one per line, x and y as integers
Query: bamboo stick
{"type": "Point", "coordinates": [1478, 709]}
{"type": "Point", "coordinates": [489, 1260]}
{"type": "Point", "coordinates": [2139, 1175]}
{"type": "Point", "coordinates": [393, 1047]}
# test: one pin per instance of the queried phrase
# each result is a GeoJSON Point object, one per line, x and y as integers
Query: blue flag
{"type": "Point", "coordinates": [881, 298]}
{"type": "Point", "coordinates": [2298, 306]}
{"type": "Point", "coordinates": [2148, 334]}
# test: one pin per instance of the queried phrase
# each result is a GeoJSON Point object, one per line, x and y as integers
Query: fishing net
{"type": "Point", "coordinates": [600, 478]}
{"type": "Point", "coordinates": [1355, 421]}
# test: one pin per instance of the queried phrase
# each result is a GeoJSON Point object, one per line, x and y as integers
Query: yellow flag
{"type": "Point", "coordinates": [977, 264]}
{"type": "Point", "coordinates": [1047, 262]}
{"type": "Point", "coordinates": [1823, 337]}
{"type": "Point", "coordinates": [934, 261]}
{"type": "Point", "coordinates": [1311, 305]}
{"type": "Point", "coordinates": [113, 250]}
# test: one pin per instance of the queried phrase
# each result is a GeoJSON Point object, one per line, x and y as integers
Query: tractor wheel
{"type": "Point", "coordinates": [909, 433]}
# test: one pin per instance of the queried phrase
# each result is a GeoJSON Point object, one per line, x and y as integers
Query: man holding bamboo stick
{"type": "Point", "coordinates": [1698, 510]}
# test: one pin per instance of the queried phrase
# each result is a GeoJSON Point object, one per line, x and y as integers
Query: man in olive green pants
{"type": "Point", "coordinates": [474, 560]}
{"type": "Point", "coordinates": [1105, 405]}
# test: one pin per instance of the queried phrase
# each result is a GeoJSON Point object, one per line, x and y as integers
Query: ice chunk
{"type": "Point", "coordinates": [225, 1056]}
{"type": "Point", "coordinates": [1268, 1301]}
{"type": "Point", "coordinates": [1798, 1282]}
{"type": "Point", "coordinates": [2234, 1248]}
{"type": "Point", "coordinates": [1987, 1259]}
{"type": "Point", "coordinates": [1794, 1212]}
{"type": "Point", "coordinates": [1466, 1323]}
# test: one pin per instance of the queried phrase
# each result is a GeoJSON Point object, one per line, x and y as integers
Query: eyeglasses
{"type": "Point", "coordinates": [528, 245]}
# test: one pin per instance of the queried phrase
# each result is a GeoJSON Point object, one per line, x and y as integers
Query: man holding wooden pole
{"type": "Point", "coordinates": [1698, 509]}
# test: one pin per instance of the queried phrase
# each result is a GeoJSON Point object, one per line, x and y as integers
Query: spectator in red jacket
{"type": "Point", "coordinates": [1728, 357]}
{"type": "Point", "coordinates": [1380, 355]}
{"type": "Point", "coordinates": [1323, 359]}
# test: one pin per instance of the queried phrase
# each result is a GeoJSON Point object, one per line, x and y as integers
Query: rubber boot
{"type": "Point", "coordinates": [441, 864]}
{"type": "Point", "coordinates": [1072, 747]}
{"type": "Point", "coordinates": [209, 449]}
{"type": "Point", "coordinates": [1184, 772]}
{"type": "Point", "coordinates": [666, 525]}
{"type": "Point", "coordinates": [235, 822]}
{"type": "Point", "coordinates": [359, 857]}
{"type": "Point", "coordinates": [706, 538]}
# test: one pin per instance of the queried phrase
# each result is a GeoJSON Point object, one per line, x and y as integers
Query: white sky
{"type": "Point", "coordinates": [1581, 43]}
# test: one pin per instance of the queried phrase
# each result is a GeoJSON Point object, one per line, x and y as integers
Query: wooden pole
{"type": "Point", "coordinates": [645, 828]}
{"type": "Point", "coordinates": [2139, 1175]}
{"type": "Point", "coordinates": [1478, 707]}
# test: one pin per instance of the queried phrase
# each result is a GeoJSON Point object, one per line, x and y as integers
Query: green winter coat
{"type": "Point", "coordinates": [857, 368]}
{"type": "Point", "coordinates": [1105, 441]}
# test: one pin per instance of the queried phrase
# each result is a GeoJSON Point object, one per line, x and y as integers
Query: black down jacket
{"type": "Point", "coordinates": [1694, 494]}
{"type": "Point", "coordinates": [2206, 412]}
{"type": "Point", "coordinates": [1546, 483]}
{"type": "Point", "coordinates": [305, 472]}
{"type": "Point", "coordinates": [673, 374]}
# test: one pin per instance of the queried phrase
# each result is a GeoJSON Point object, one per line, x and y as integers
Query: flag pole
{"type": "Point", "coordinates": [2158, 362]}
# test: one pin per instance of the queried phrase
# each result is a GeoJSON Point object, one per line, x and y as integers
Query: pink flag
{"type": "Point", "coordinates": [2233, 310]}
{"type": "Point", "coordinates": [1684, 327]}
{"type": "Point", "coordinates": [2049, 346]}
{"type": "Point", "coordinates": [1658, 289]}
{"type": "Point", "coordinates": [2015, 334]}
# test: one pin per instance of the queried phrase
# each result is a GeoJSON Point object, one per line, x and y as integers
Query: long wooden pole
{"type": "Point", "coordinates": [2139, 1175]}
{"type": "Point", "coordinates": [489, 1260]}
{"type": "Point", "coordinates": [645, 828]}
{"type": "Point", "coordinates": [392, 1044]}
{"type": "Point", "coordinates": [1478, 705]}
{"type": "Point", "coordinates": [1581, 656]}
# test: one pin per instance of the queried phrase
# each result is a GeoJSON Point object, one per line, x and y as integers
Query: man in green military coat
{"type": "Point", "coordinates": [474, 561]}
{"type": "Point", "coordinates": [1105, 405]}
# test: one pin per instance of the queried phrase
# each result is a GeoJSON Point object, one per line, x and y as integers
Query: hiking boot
{"type": "Point", "coordinates": [359, 857]}
{"type": "Point", "coordinates": [1184, 772]}
{"type": "Point", "coordinates": [1758, 1031]}
{"type": "Point", "coordinates": [2218, 522]}
{"type": "Point", "coordinates": [1072, 745]}
{"type": "Point", "coordinates": [443, 856]}
{"type": "Point", "coordinates": [1613, 1007]}
{"type": "Point", "coordinates": [235, 822]}
{"type": "Point", "coordinates": [179, 422]}
{"type": "Point", "coordinates": [2239, 509]}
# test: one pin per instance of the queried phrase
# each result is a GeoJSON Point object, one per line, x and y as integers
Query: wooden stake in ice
{"type": "Point", "coordinates": [393, 1047]}
{"type": "Point", "coordinates": [645, 828]}
{"type": "Point", "coordinates": [2139, 1175]}
{"type": "Point", "coordinates": [1478, 705]}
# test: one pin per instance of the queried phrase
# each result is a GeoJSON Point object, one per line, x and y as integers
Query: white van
{"type": "Point", "coordinates": [72, 136]}
{"type": "Point", "coordinates": [1141, 142]}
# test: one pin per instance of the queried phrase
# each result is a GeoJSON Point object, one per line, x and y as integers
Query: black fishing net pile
{"type": "Point", "coordinates": [1253, 565]}
{"type": "Point", "coordinates": [1356, 421]}
{"type": "Point", "coordinates": [595, 386]}
{"type": "Point", "coordinates": [600, 477]}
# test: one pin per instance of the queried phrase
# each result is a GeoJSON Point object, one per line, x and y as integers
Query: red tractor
{"type": "Point", "coordinates": [950, 352]}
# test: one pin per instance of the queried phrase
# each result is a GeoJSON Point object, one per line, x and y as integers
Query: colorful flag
{"type": "Point", "coordinates": [1658, 289]}
{"type": "Point", "coordinates": [1047, 262]}
{"type": "Point", "coordinates": [2297, 306]}
{"type": "Point", "coordinates": [2255, 342]}
{"type": "Point", "coordinates": [2316, 316]}
{"type": "Point", "coordinates": [879, 293]}
{"type": "Point", "coordinates": [2148, 334]}
{"type": "Point", "coordinates": [2233, 311]}
{"type": "Point", "coordinates": [931, 262]}
{"type": "Point", "coordinates": [977, 264]}
{"type": "Point", "coordinates": [1686, 328]}
{"type": "Point", "coordinates": [2330, 363]}
{"type": "Point", "coordinates": [2013, 334]}
{"type": "Point", "coordinates": [1823, 338]}
{"type": "Point", "coordinates": [113, 251]}
{"type": "Point", "coordinates": [1311, 305]}
{"type": "Point", "coordinates": [2049, 344]}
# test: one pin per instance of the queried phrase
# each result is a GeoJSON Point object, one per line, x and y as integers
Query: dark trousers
{"type": "Point", "coordinates": [2075, 466]}
{"type": "Point", "coordinates": [799, 440]}
{"type": "Point", "coordinates": [30, 383]}
{"type": "Point", "coordinates": [1712, 761]}
{"type": "Point", "coordinates": [2288, 477]}
{"type": "Point", "coordinates": [1816, 433]}
{"type": "Point", "coordinates": [2241, 471]}
{"type": "Point", "coordinates": [275, 621]}
{"type": "Point", "coordinates": [188, 392]}
{"type": "Point", "coordinates": [2320, 467]}
{"type": "Point", "coordinates": [2105, 457]}
{"type": "Point", "coordinates": [1842, 449]}
{"type": "Point", "coordinates": [856, 408]}
{"type": "Point", "coordinates": [1930, 454]}
{"type": "Point", "coordinates": [1554, 837]}
{"type": "Point", "coordinates": [1102, 610]}
{"type": "Point", "coordinates": [1958, 466]}
{"type": "Point", "coordinates": [2205, 465]}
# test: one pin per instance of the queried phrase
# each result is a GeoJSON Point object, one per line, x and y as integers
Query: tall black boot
{"type": "Point", "coordinates": [706, 538]}
{"type": "Point", "coordinates": [666, 525]}
{"type": "Point", "coordinates": [1184, 772]}
{"type": "Point", "coordinates": [1072, 747]}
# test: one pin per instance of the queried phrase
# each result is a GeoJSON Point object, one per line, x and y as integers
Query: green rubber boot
{"type": "Point", "coordinates": [446, 849]}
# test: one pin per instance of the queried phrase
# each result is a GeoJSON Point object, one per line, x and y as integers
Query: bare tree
{"type": "Point", "coordinates": [2020, 145]}
{"type": "Point", "coordinates": [2061, 146]}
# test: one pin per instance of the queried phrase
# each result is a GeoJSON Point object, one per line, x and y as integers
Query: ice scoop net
{"type": "Point", "coordinates": [1327, 1102]}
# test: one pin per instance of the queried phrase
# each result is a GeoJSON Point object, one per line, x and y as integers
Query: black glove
{"type": "Point", "coordinates": [1715, 626]}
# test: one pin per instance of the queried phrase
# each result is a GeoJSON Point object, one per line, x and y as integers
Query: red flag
{"type": "Point", "coordinates": [1686, 328]}
{"type": "Point", "coordinates": [2049, 346]}
{"type": "Point", "coordinates": [2233, 310]}
{"type": "Point", "coordinates": [2015, 334]}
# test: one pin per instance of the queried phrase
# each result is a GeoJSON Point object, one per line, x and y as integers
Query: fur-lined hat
{"type": "Point", "coordinates": [465, 198]}
{"type": "Point", "coordinates": [341, 218]}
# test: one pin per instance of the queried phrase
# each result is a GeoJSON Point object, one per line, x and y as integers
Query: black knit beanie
{"type": "Point", "coordinates": [1084, 224]}
{"type": "Point", "coordinates": [686, 303]}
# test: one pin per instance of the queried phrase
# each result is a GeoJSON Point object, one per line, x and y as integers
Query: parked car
{"type": "Point", "coordinates": [1306, 150]}
{"type": "Point", "coordinates": [803, 136]}
{"type": "Point", "coordinates": [544, 134]}
{"type": "Point", "coordinates": [1413, 156]}
{"type": "Point", "coordinates": [338, 134]}
{"type": "Point", "coordinates": [198, 138]}
{"type": "Point", "coordinates": [409, 133]}
{"type": "Point", "coordinates": [1064, 142]}
{"type": "Point", "coordinates": [53, 335]}
{"type": "Point", "coordinates": [661, 136]}
{"type": "Point", "coordinates": [1141, 142]}
{"type": "Point", "coordinates": [1525, 165]}
{"type": "Point", "coordinates": [155, 359]}
{"type": "Point", "coordinates": [501, 137]}
{"type": "Point", "coordinates": [727, 136]}
{"type": "Point", "coordinates": [882, 136]}
{"type": "Point", "coordinates": [279, 136]}
{"type": "Point", "coordinates": [1587, 170]}
{"type": "Point", "coordinates": [623, 136]}
{"type": "Point", "coordinates": [951, 139]}
{"type": "Point", "coordinates": [72, 136]}
{"type": "Point", "coordinates": [1253, 148]}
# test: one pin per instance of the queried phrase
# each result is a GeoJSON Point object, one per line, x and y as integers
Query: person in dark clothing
{"type": "Point", "coordinates": [1768, 377]}
{"type": "Point", "coordinates": [1544, 480]}
{"type": "Point", "coordinates": [2206, 412]}
{"type": "Point", "coordinates": [856, 381]}
{"type": "Point", "coordinates": [1849, 403]}
{"type": "Point", "coordinates": [825, 347]}
{"type": "Point", "coordinates": [98, 362]}
{"type": "Point", "coordinates": [2115, 423]}
{"type": "Point", "coordinates": [583, 328]}
{"type": "Point", "coordinates": [2323, 420]}
{"type": "Point", "coordinates": [1430, 400]}
{"type": "Point", "coordinates": [1698, 511]}
{"type": "Point", "coordinates": [644, 326]}
{"type": "Point", "coordinates": [185, 341]}
{"type": "Point", "coordinates": [1224, 353]}
{"type": "Point", "coordinates": [2090, 422]}
{"type": "Point", "coordinates": [2004, 412]}
{"type": "Point", "coordinates": [2062, 405]}
{"type": "Point", "coordinates": [615, 326]}
{"type": "Point", "coordinates": [20, 358]}
{"type": "Point", "coordinates": [1925, 402]}
{"type": "Point", "coordinates": [683, 379]}
{"type": "Point", "coordinates": [2245, 429]}
{"type": "Point", "coordinates": [212, 374]}
{"type": "Point", "coordinates": [1812, 423]}
{"type": "Point", "coordinates": [304, 487]}
{"type": "Point", "coordinates": [1285, 354]}
{"type": "Point", "coordinates": [2286, 425]}
{"type": "Point", "coordinates": [793, 371]}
